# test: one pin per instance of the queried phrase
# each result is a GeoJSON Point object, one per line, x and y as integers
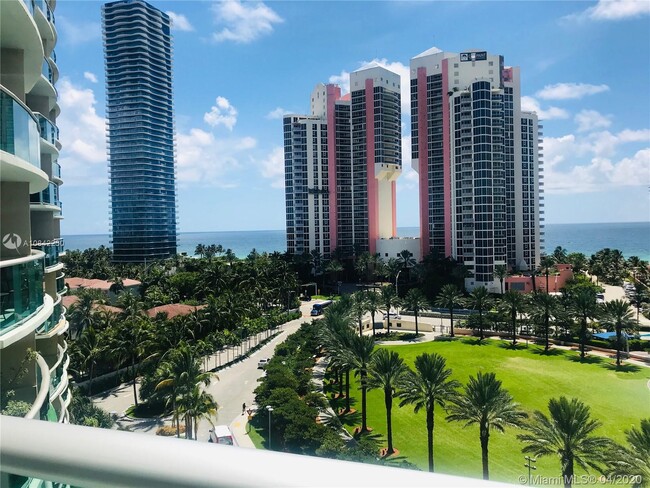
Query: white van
{"type": "Point", "coordinates": [221, 434]}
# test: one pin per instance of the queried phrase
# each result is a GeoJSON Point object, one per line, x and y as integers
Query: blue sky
{"type": "Point", "coordinates": [239, 65]}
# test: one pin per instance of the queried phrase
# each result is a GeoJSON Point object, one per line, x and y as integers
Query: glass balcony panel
{"type": "Point", "coordinates": [49, 131]}
{"type": "Point", "coordinates": [47, 71]}
{"type": "Point", "coordinates": [51, 251]}
{"type": "Point", "coordinates": [56, 170]}
{"type": "Point", "coordinates": [60, 284]}
{"type": "Point", "coordinates": [21, 292]}
{"type": "Point", "coordinates": [19, 131]}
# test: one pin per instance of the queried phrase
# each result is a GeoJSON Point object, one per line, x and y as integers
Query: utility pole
{"type": "Point", "coordinates": [529, 465]}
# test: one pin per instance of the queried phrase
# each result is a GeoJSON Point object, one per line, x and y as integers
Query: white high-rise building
{"type": "Point", "coordinates": [341, 164]}
{"type": "Point", "coordinates": [478, 159]}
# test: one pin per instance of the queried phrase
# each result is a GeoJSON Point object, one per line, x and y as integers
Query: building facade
{"type": "Point", "coordinates": [341, 163]}
{"type": "Point", "coordinates": [33, 349]}
{"type": "Point", "coordinates": [138, 61]}
{"type": "Point", "coordinates": [477, 156]}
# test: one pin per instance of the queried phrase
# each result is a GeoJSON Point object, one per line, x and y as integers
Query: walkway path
{"type": "Point", "coordinates": [235, 386]}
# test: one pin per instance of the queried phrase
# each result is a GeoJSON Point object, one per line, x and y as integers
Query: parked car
{"type": "Point", "coordinates": [262, 363]}
{"type": "Point", "coordinates": [221, 434]}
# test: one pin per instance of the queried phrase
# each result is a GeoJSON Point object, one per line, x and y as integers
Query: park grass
{"type": "Point", "coordinates": [255, 435]}
{"type": "Point", "coordinates": [619, 399]}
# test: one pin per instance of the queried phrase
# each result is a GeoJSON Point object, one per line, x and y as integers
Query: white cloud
{"type": "Point", "coordinates": [179, 22]}
{"type": "Point", "coordinates": [343, 80]}
{"type": "Point", "coordinates": [243, 22]}
{"type": "Point", "coordinates": [586, 162]}
{"type": "Point", "coordinates": [612, 10]}
{"type": "Point", "coordinates": [83, 136]}
{"type": "Point", "coordinates": [570, 91]}
{"type": "Point", "coordinates": [76, 32]}
{"type": "Point", "coordinates": [589, 120]}
{"type": "Point", "coordinates": [272, 167]}
{"type": "Point", "coordinates": [223, 113]}
{"type": "Point", "coordinates": [90, 76]}
{"type": "Point", "coordinates": [408, 180]}
{"type": "Point", "coordinates": [204, 159]}
{"type": "Point", "coordinates": [278, 113]}
{"type": "Point", "coordinates": [530, 104]}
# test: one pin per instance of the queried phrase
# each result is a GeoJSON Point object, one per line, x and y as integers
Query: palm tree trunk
{"type": "Point", "coordinates": [340, 379]}
{"type": "Point", "coordinates": [372, 316]}
{"type": "Point", "coordinates": [90, 386]}
{"type": "Point", "coordinates": [618, 346]}
{"type": "Point", "coordinates": [514, 328]}
{"type": "Point", "coordinates": [567, 470]}
{"type": "Point", "coordinates": [430, 436]}
{"type": "Point", "coordinates": [547, 281]}
{"type": "Point", "coordinates": [480, 324]}
{"type": "Point", "coordinates": [388, 399]}
{"type": "Point", "coordinates": [485, 437]}
{"type": "Point", "coordinates": [388, 322]}
{"type": "Point", "coordinates": [360, 327]}
{"type": "Point", "coordinates": [178, 424]}
{"type": "Point", "coordinates": [364, 426]}
{"type": "Point", "coordinates": [347, 390]}
{"type": "Point", "coordinates": [416, 324]}
{"type": "Point", "coordinates": [546, 326]}
{"type": "Point", "coordinates": [135, 395]}
{"type": "Point", "coordinates": [451, 318]}
{"type": "Point", "coordinates": [583, 337]}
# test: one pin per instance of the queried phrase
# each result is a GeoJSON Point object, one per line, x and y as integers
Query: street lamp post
{"type": "Point", "coordinates": [269, 408]}
{"type": "Point", "coordinates": [397, 278]}
{"type": "Point", "coordinates": [529, 464]}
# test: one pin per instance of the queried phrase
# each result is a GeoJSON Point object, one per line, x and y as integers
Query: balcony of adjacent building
{"type": "Point", "coordinates": [20, 155]}
{"type": "Point", "coordinates": [46, 200]}
{"type": "Point", "coordinates": [49, 135]}
{"type": "Point", "coordinates": [23, 305]}
{"type": "Point", "coordinates": [45, 21]}
{"type": "Point", "coordinates": [22, 48]}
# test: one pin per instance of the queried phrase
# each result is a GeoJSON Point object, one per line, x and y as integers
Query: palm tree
{"type": "Point", "coordinates": [90, 347]}
{"type": "Point", "coordinates": [180, 373]}
{"type": "Point", "coordinates": [500, 272]}
{"type": "Point", "coordinates": [373, 303]}
{"type": "Point", "coordinates": [585, 307]}
{"type": "Point", "coordinates": [416, 301]}
{"type": "Point", "coordinates": [200, 250]}
{"type": "Point", "coordinates": [449, 297]}
{"type": "Point", "coordinates": [359, 353]}
{"type": "Point", "coordinates": [618, 314]}
{"type": "Point", "coordinates": [334, 267]}
{"type": "Point", "coordinates": [389, 299]}
{"type": "Point", "coordinates": [427, 386]}
{"type": "Point", "coordinates": [196, 405]}
{"type": "Point", "coordinates": [543, 308]}
{"type": "Point", "coordinates": [568, 434]}
{"type": "Point", "coordinates": [513, 303]}
{"type": "Point", "coordinates": [129, 342]}
{"type": "Point", "coordinates": [480, 301]}
{"type": "Point", "coordinates": [81, 312]}
{"type": "Point", "coordinates": [386, 372]}
{"type": "Point", "coordinates": [486, 403]}
{"type": "Point", "coordinates": [546, 263]}
{"type": "Point", "coordinates": [560, 255]}
{"type": "Point", "coordinates": [635, 460]}
{"type": "Point", "coordinates": [359, 308]}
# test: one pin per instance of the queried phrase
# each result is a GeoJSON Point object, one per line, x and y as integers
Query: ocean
{"type": "Point", "coordinates": [632, 239]}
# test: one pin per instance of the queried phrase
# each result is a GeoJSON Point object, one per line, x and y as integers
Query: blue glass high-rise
{"type": "Point", "coordinates": [138, 60]}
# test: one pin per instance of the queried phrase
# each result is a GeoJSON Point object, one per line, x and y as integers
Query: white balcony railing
{"type": "Point", "coordinates": [64, 453]}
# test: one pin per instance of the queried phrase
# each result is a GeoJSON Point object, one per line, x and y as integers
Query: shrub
{"type": "Point", "coordinates": [169, 431]}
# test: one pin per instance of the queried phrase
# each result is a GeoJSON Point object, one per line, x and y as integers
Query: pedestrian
{"type": "Point", "coordinates": [243, 408]}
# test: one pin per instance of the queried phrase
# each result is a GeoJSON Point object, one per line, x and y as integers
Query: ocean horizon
{"type": "Point", "coordinates": [631, 238]}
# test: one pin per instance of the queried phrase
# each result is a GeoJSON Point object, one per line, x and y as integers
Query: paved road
{"type": "Point", "coordinates": [235, 386]}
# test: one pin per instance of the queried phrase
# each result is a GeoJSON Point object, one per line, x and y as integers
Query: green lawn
{"type": "Point", "coordinates": [618, 399]}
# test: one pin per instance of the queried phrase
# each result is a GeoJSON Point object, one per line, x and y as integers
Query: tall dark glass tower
{"type": "Point", "coordinates": [138, 59]}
